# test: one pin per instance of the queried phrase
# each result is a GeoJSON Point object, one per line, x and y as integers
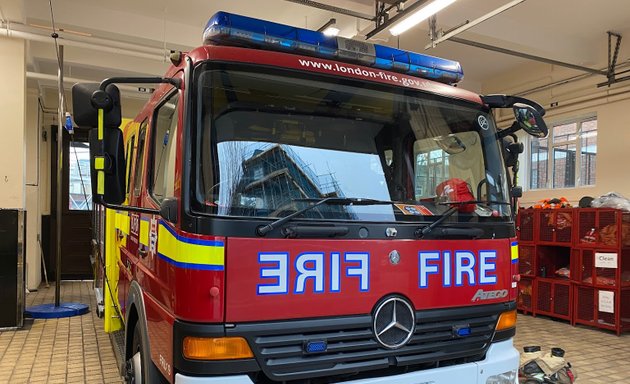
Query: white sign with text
{"type": "Point", "coordinates": [607, 301]}
{"type": "Point", "coordinates": [605, 260]}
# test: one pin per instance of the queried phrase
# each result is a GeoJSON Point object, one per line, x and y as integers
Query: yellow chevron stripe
{"type": "Point", "coordinates": [188, 252]}
{"type": "Point", "coordinates": [514, 251]}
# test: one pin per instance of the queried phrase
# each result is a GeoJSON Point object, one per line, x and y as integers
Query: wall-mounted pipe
{"type": "Point", "coordinates": [82, 44]}
{"type": "Point", "coordinates": [128, 90]}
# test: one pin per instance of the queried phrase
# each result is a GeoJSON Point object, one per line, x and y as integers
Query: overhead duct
{"type": "Point", "coordinates": [127, 89]}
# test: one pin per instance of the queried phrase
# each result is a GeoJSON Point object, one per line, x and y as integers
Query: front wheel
{"type": "Point", "coordinates": [139, 368]}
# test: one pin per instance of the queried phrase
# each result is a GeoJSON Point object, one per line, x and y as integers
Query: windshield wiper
{"type": "Point", "coordinates": [420, 233]}
{"type": "Point", "coordinates": [262, 231]}
{"type": "Point", "coordinates": [473, 202]}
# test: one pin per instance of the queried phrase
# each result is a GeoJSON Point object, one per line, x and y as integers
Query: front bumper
{"type": "Point", "coordinates": [501, 357]}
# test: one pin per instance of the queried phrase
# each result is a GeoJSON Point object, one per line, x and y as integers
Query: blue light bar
{"type": "Point", "coordinates": [228, 29]}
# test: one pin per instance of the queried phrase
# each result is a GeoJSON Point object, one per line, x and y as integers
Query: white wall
{"type": "Point", "coordinates": [575, 99]}
{"type": "Point", "coordinates": [12, 110]}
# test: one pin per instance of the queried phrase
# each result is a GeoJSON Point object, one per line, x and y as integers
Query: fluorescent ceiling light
{"type": "Point", "coordinates": [420, 15]}
{"type": "Point", "coordinates": [331, 31]}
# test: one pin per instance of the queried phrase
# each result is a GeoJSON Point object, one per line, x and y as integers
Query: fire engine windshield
{"type": "Point", "coordinates": [272, 142]}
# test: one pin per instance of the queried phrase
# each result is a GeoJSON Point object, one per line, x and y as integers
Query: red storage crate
{"type": "Point", "coordinates": [562, 299]}
{"type": "Point", "coordinates": [525, 299]}
{"type": "Point", "coordinates": [553, 297]}
{"type": "Point", "coordinates": [603, 268]}
{"type": "Point", "coordinates": [555, 226]}
{"type": "Point", "coordinates": [603, 228]}
{"type": "Point", "coordinates": [602, 308]}
{"type": "Point", "coordinates": [551, 259]}
{"type": "Point", "coordinates": [582, 272]}
{"type": "Point", "coordinates": [624, 309]}
{"type": "Point", "coordinates": [544, 296]}
{"type": "Point", "coordinates": [584, 308]}
{"type": "Point", "coordinates": [594, 244]}
{"type": "Point", "coordinates": [526, 225]}
{"type": "Point", "coordinates": [526, 260]}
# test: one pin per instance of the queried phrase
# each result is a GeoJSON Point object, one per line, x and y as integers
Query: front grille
{"type": "Point", "coordinates": [353, 350]}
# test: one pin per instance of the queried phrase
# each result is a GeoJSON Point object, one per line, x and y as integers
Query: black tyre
{"type": "Point", "coordinates": [148, 371]}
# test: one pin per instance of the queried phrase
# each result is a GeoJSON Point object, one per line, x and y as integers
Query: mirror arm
{"type": "Point", "coordinates": [508, 131]}
{"type": "Point", "coordinates": [141, 80]}
{"type": "Point", "coordinates": [508, 101]}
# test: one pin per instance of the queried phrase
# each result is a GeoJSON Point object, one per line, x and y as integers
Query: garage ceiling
{"type": "Point", "coordinates": [572, 31]}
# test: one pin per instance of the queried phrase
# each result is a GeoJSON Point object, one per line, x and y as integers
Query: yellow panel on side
{"type": "Point", "coordinates": [112, 254]}
{"type": "Point", "coordinates": [144, 232]}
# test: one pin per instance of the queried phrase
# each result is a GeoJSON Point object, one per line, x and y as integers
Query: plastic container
{"type": "Point", "coordinates": [557, 352]}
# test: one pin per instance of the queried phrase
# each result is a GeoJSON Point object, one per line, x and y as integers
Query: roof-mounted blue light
{"type": "Point", "coordinates": [228, 29]}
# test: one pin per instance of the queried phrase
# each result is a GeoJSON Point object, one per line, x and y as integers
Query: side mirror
{"type": "Point", "coordinates": [85, 109]}
{"type": "Point", "coordinates": [114, 165]}
{"type": "Point", "coordinates": [107, 154]}
{"type": "Point", "coordinates": [168, 209]}
{"type": "Point", "coordinates": [530, 120]}
{"type": "Point", "coordinates": [528, 114]}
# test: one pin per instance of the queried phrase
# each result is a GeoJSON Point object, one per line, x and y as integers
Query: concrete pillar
{"type": "Point", "coordinates": [13, 123]}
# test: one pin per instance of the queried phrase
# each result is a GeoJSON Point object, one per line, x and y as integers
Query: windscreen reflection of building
{"type": "Point", "coordinates": [274, 177]}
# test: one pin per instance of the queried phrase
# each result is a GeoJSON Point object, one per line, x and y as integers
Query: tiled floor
{"type": "Point", "coordinates": [599, 357]}
{"type": "Point", "coordinates": [76, 350]}
{"type": "Point", "coordinates": [69, 350]}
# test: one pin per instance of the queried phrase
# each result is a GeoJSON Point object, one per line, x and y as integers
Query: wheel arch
{"type": "Point", "coordinates": [136, 317]}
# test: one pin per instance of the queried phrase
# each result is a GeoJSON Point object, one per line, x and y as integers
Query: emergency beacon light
{"type": "Point", "coordinates": [228, 29]}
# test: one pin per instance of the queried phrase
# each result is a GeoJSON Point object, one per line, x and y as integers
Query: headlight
{"type": "Point", "coordinates": [508, 377]}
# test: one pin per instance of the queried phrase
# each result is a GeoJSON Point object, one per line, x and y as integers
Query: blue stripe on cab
{"type": "Point", "coordinates": [203, 267]}
{"type": "Point", "coordinates": [212, 243]}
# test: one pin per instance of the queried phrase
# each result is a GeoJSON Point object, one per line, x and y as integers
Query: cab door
{"type": "Point", "coordinates": [163, 181]}
{"type": "Point", "coordinates": [130, 242]}
{"type": "Point", "coordinates": [155, 270]}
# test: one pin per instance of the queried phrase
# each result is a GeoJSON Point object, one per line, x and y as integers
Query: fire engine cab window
{"type": "Point", "coordinates": [130, 149]}
{"type": "Point", "coordinates": [270, 140]}
{"type": "Point", "coordinates": [137, 177]}
{"type": "Point", "coordinates": [164, 149]}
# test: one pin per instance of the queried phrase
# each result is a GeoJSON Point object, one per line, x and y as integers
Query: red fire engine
{"type": "Point", "coordinates": [295, 208]}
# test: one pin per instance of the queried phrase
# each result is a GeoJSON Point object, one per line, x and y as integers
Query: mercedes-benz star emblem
{"type": "Point", "coordinates": [483, 122]}
{"type": "Point", "coordinates": [394, 322]}
{"type": "Point", "coordinates": [394, 257]}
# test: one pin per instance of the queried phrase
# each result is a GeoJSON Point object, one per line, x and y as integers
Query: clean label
{"type": "Point", "coordinates": [605, 260]}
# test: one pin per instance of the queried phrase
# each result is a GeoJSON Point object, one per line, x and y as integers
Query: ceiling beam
{"type": "Point", "coordinates": [526, 56]}
{"type": "Point", "coordinates": [332, 8]}
{"type": "Point", "coordinates": [473, 23]}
